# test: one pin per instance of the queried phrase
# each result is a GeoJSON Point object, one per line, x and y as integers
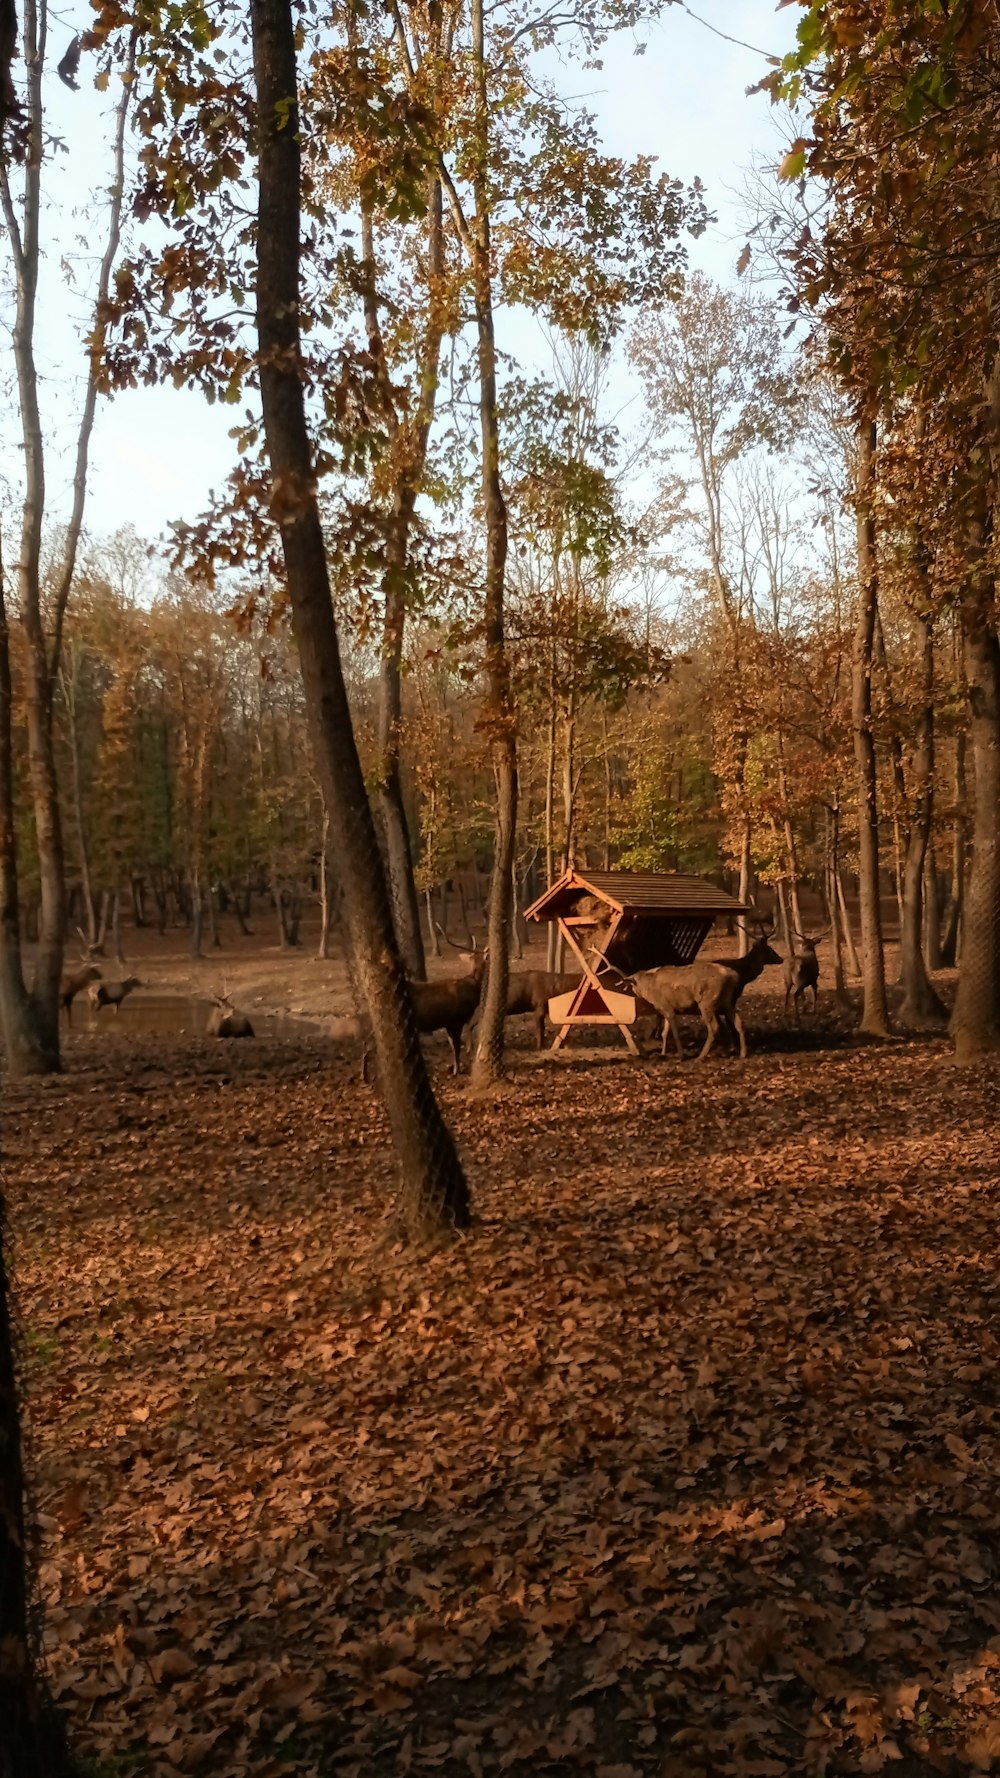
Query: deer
{"type": "Point", "coordinates": [711, 989]}
{"type": "Point", "coordinates": [802, 971]}
{"type": "Point", "coordinates": [531, 990]}
{"type": "Point", "coordinates": [112, 993]}
{"type": "Point", "coordinates": [74, 984]}
{"type": "Point", "coordinates": [225, 1021]}
{"type": "Point", "coordinates": [445, 1006]}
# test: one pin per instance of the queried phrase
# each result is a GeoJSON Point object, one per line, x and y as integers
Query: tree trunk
{"type": "Point", "coordinates": [950, 939]}
{"type": "Point", "coordinates": [323, 950]}
{"type": "Point", "coordinates": [746, 881]}
{"type": "Point", "coordinates": [196, 916]}
{"type": "Point", "coordinates": [32, 1742]}
{"type": "Point", "coordinates": [835, 916]}
{"type": "Point", "coordinates": [434, 1192]}
{"type": "Point", "coordinates": [432, 931]}
{"type": "Point", "coordinates": [116, 926]}
{"type": "Point", "coordinates": [852, 956]}
{"type": "Point", "coordinates": [500, 717]}
{"type": "Point", "coordinates": [932, 910]}
{"type": "Point", "coordinates": [875, 1011]}
{"type": "Point", "coordinates": [24, 1044]}
{"type": "Point", "coordinates": [975, 1023]}
{"type": "Point", "coordinates": [76, 783]}
{"type": "Point", "coordinates": [920, 999]}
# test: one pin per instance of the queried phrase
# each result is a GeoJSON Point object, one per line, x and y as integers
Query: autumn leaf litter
{"type": "Point", "coordinates": [683, 1462]}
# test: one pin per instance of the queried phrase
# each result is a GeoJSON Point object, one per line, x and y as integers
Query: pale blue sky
{"type": "Point", "coordinates": [156, 453]}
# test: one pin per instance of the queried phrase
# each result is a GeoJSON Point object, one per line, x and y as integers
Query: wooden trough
{"type": "Point", "coordinates": [620, 921]}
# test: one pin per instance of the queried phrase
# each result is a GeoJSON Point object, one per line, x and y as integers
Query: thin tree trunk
{"type": "Point", "coordinates": [746, 882]}
{"type": "Point", "coordinates": [932, 910]}
{"type": "Point", "coordinates": [488, 1063]}
{"type": "Point", "coordinates": [116, 926]}
{"type": "Point", "coordinates": [975, 1023]}
{"type": "Point", "coordinates": [920, 999]}
{"type": "Point", "coordinates": [949, 942]}
{"type": "Point", "coordinates": [24, 1043]}
{"type": "Point", "coordinates": [832, 899]}
{"type": "Point", "coordinates": [196, 916]}
{"type": "Point", "coordinates": [875, 1011]}
{"type": "Point", "coordinates": [434, 1193]}
{"type": "Point", "coordinates": [76, 783]}
{"type": "Point", "coordinates": [323, 951]}
{"type": "Point", "coordinates": [432, 931]}
{"type": "Point", "coordinates": [853, 962]}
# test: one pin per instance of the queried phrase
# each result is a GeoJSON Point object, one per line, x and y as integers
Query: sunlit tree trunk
{"type": "Point", "coordinates": [875, 1011]}
{"type": "Point", "coordinates": [975, 1023]}
{"type": "Point", "coordinates": [434, 1194]}
{"type": "Point", "coordinates": [920, 999]}
{"type": "Point", "coordinates": [500, 717]}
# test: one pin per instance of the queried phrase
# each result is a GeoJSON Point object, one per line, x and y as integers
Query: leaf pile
{"type": "Point", "coordinates": [684, 1462]}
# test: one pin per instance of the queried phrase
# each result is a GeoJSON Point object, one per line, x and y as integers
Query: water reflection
{"type": "Point", "coordinates": [179, 1015]}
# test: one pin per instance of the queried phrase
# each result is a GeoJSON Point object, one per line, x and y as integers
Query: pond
{"type": "Point", "coordinates": [179, 1015]}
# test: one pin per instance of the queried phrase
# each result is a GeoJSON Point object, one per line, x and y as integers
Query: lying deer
{"type": "Point", "coordinates": [445, 1006]}
{"type": "Point", "coordinates": [112, 993]}
{"type": "Point", "coordinates": [225, 1021]}
{"type": "Point", "coordinates": [802, 971]}
{"type": "Point", "coordinates": [706, 988]}
{"type": "Point", "coordinates": [74, 984]}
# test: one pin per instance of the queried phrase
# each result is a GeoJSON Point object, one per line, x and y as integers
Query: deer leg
{"type": "Point", "coordinates": [670, 1024]}
{"type": "Point", "coordinates": [540, 1029]}
{"type": "Point", "coordinates": [738, 1025]}
{"type": "Point", "coordinates": [364, 1065]}
{"type": "Point", "coordinates": [455, 1039]}
{"type": "Point", "coordinates": [711, 1033]}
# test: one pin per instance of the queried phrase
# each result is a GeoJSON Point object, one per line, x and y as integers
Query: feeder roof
{"type": "Point", "coordinates": [655, 894]}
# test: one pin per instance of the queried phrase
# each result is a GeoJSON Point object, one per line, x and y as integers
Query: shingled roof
{"type": "Point", "coordinates": [651, 893]}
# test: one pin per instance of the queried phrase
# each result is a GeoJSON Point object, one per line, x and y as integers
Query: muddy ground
{"type": "Point", "coordinates": [684, 1461]}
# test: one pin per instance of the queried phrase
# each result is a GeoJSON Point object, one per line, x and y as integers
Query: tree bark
{"type": "Point", "coordinates": [975, 1024]}
{"type": "Point", "coordinates": [500, 717]}
{"type": "Point", "coordinates": [434, 1193]}
{"type": "Point", "coordinates": [24, 1046]}
{"type": "Point", "coordinates": [953, 917]}
{"type": "Point", "coordinates": [920, 999]}
{"type": "Point", "coordinates": [875, 1010]}
{"type": "Point", "coordinates": [32, 1741]}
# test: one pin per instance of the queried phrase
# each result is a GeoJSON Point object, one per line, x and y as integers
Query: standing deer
{"type": "Point", "coordinates": [445, 1006]}
{"type": "Point", "coordinates": [531, 990]}
{"type": "Point", "coordinates": [706, 988]}
{"type": "Point", "coordinates": [112, 993]}
{"type": "Point", "coordinates": [802, 971]}
{"type": "Point", "coordinates": [74, 984]}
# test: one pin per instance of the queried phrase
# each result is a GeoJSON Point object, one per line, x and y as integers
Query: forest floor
{"type": "Point", "coordinates": [683, 1462]}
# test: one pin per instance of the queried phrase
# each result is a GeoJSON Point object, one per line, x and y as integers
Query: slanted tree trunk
{"type": "Point", "coordinates": [920, 998]}
{"type": "Point", "coordinates": [875, 1011]}
{"type": "Point", "coordinates": [434, 1194]}
{"type": "Point", "coordinates": [975, 1024]}
{"type": "Point", "coordinates": [500, 717]}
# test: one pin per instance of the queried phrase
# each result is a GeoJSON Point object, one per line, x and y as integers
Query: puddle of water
{"type": "Point", "coordinates": [179, 1015]}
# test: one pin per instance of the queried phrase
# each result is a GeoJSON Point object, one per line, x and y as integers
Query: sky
{"type": "Point", "coordinates": [157, 453]}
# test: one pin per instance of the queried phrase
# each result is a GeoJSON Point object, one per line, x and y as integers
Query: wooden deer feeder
{"type": "Point", "coordinates": [618, 921]}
